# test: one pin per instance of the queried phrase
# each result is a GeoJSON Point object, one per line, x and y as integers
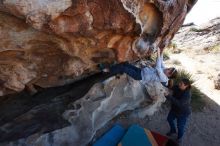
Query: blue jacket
{"type": "Point", "coordinates": [180, 101]}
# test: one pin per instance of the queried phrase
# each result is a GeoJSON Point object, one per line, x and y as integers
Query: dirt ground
{"type": "Point", "coordinates": [202, 128]}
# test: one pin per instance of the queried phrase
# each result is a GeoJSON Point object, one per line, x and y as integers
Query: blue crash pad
{"type": "Point", "coordinates": [112, 137]}
{"type": "Point", "coordinates": [135, 136]}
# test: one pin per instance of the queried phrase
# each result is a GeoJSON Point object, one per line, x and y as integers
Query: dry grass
{"type": "Point", "coordinates": [213, 49]}
{"type": "Point", "coordinates": [166, 55]}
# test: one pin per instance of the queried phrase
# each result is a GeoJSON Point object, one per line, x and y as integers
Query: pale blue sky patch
{"type": "Point", "coordinates": [203, 11]}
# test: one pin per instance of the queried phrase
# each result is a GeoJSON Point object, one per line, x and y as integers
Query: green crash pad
{"type": "Point", "coordinates": [137, 136]}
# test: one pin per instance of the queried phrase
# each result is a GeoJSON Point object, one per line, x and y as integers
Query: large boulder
{"type": "Point", "coordinates": [91, 112]}
{"type": "Point", "coordinates": [203, 38]}
{"type": "Point", "coordinates": [54, 42]}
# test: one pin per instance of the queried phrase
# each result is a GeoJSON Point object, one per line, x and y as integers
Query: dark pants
{"type": "Point", "coordinates": [181, 123]}
{"type": "Point", "coordinates": [127, 68]}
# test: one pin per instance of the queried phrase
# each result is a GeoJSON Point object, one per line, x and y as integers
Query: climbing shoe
{"type": "Point", "coordinates": [104, 67]}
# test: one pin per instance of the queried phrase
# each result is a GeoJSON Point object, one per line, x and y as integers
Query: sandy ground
{"type": "Point", "coordinates": [203, 127]}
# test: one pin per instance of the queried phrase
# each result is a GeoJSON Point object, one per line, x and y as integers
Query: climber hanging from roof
{"type": "Point", "coordinates": [146, 74]}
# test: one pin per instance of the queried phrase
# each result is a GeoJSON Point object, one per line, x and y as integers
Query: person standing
{"type": "Point", "coordinates": [180, 108]}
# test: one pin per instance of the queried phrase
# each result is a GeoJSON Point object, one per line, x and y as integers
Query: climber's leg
{"type": "Point", "coordinates": [171, 118]}
{"type": "Point", "coordinates": [127, 68]}
{"type": "Point", "coordinates": [181, 124]}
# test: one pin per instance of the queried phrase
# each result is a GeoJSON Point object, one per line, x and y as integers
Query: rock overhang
{"type": "Point", "coordinates": [71, 37]}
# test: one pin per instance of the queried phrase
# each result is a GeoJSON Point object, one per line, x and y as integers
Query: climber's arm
{"type": "Point", "coordinates": [159, 69]}
{"type": "Point", "coordinates": [162, 63]}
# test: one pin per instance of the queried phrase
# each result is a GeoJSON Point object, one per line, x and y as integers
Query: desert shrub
{"type": "Point", "coordinates": [195, 29]}
{"type": "Point", "coordinates": [176, 62]}
{"type": "Point", "coordinates": [172, 45]}
{"type": "Point", "coordinates": [214, 49]}
{"type": "Point", "coordinates": [172, 48]}
{"type": "Point", "coordinates": [183, 74]}
{"type": "Point", "coordinates": [166, 55]}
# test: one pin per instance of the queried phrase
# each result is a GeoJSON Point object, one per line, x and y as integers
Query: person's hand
{"type": "Point", "coordinates": [166, 93]}
{"type": "Point", "coordinates": [158, 52]}
{"type": "Point", "coordinates": [167, 96]}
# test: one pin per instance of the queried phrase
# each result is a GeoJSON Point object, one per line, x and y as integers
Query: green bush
{"type": "Point", "coordinates": [197, 101]}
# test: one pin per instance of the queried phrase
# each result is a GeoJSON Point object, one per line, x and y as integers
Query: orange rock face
{"type": "Point", "coordinates": [52, 42]}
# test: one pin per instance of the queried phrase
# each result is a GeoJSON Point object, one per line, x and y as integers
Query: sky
{"type": "Point", "coordinates": [203, 11]}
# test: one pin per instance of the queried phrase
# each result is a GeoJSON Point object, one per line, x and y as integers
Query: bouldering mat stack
{"type": "Point", "coordinates": [135, 136]}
